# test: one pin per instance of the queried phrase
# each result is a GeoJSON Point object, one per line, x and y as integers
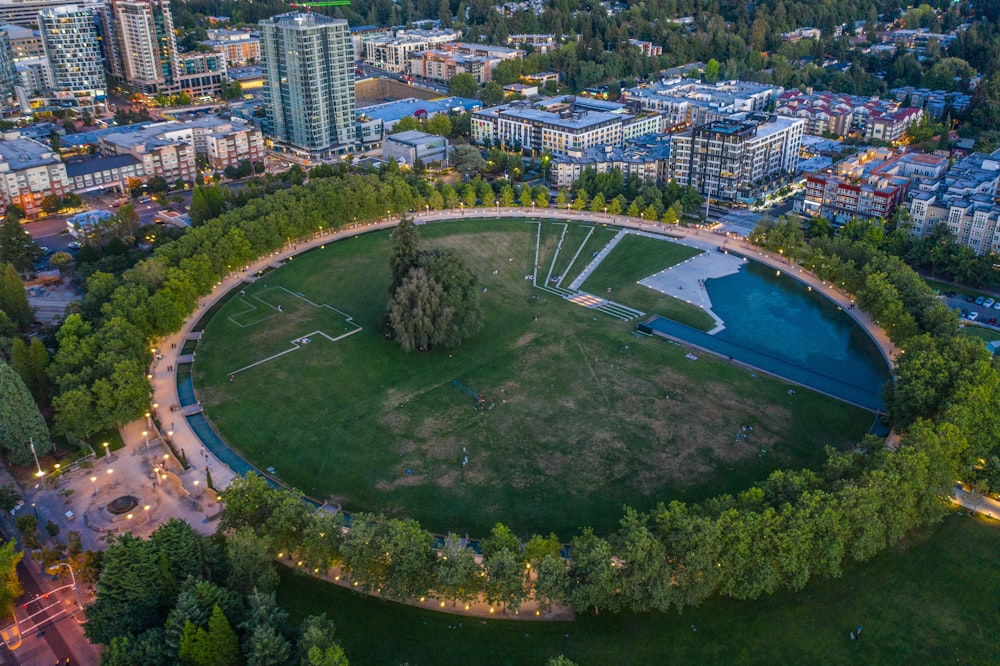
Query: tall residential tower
{"type": "Point", "coordinates": [309, 83]}
{"type": "Point", "coordinates": [74, 54]}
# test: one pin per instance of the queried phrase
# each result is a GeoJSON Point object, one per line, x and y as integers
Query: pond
{"type": "Point", "coordinates": [779, 325]}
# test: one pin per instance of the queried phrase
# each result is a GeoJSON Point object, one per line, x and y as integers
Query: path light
{"type": "Point", "coordinates": [93, 480]}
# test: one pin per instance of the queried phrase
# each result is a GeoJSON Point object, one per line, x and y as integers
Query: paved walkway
{"type": "Point", "coordinates": [165, 386]}
{"type": "Point", "coordinates": [976, 503]}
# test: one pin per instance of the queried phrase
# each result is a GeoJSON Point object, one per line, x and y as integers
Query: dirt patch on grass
{"type": "Point", "coordinates": [401, 482]}
{"type": "Point", "coordinates": [525, 339]}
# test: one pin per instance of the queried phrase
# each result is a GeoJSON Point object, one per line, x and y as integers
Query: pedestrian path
{"type": "Point", "coordinates": [604, 252]}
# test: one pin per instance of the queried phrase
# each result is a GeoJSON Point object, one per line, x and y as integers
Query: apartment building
{"type": "Point", "coordinates": [649, 49]}
{"type": "Point", "coordinates": [645, 158]}
{"type": "Point", "coordinates": [309, 83]}
{"type": "Point", "coordinates": [735, 158]}
{"type": "Point", "coordinates": [964, 199]}
{"type": "Point", "coordinates": [101, 173]}
{"type": "Point", "coordinates": [24, 42]}
{"type": "Point", "coordinates": [686, 102]}
{"type": "Point", "coordinates": [560, 125]}
{"type": "Point", "coordinates": [238, 48]}
{"type": "Point", "coordinates": [29, 172]}
{"type": "Point", "coordinates": [392, 52]}
{"type": "Point", "coordinates": [542, 43]}
{"type": "Point", "coordinates": [70, 40]}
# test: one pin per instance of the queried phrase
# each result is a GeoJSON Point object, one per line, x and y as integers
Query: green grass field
{"type": "Point", "coordinates": [636, 258]}
{"type": "Point", "coordinates": [586, 416]}
{"type": "Point", "coordinates": [930, 600]}
{"type": "Point", "coordinates": [984, 334]}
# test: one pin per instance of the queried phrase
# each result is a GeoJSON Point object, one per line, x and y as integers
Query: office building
{"type": "Point", "coordinates": [737, 158]}
{"type": "Point", "coordinates": [410, 146]}
{"type": "Point", "coordinates": [69, 37]}
{"type": "Point", "coordinates": [309, 83]}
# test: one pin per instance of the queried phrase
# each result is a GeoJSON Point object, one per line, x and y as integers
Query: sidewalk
{"type": "Point", "coordinates": [165, 386]}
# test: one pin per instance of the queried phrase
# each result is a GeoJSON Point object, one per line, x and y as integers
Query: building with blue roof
{"type": "Point", "coordinates": [374, 122]}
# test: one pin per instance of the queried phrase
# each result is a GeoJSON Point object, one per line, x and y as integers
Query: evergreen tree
{"type": "Point", "coordinates": [13, 298]}
{"type": "Point", "coordinates": [20, 421]}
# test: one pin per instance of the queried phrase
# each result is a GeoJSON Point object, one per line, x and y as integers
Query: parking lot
{"type": "Point", "coordinates": [981, 309]}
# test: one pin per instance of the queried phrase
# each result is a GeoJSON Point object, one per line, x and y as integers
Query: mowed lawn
{"type": "Point", "coordinates": [636, 258]}
{"type": "Point", "coordinates": [930, 600]}
{"type": "Point", "coordinates": [584, 416]}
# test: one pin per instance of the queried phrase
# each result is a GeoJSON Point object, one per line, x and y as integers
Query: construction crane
{"type": "Point", "coordinates": [326, 3]}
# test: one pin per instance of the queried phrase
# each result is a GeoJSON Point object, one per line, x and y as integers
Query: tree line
{"type": "Point", "coordinates": [776, 535]}
{"type": "Point", "coordinates": [182, 598]}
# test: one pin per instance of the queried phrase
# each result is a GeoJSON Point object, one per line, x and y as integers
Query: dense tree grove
{"type": "Point", "coordinates": [169, 600]}
{"type": "Point", "coordinates": [435, 297]}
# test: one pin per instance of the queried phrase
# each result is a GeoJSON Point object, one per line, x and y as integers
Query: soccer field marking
{"type": "Point", "coordinates": [298, 342]}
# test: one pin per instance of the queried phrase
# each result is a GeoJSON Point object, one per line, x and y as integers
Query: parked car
{"type": "Point", "coordinates": [964, 314]}
{"type": "Point", "coordinates": [951, 294]}
{"type": "Point", "coordinates": [988, 303]}
{"type": "Point", "coordinates": [979, 300]}
{"type": "Point", "coordinates": [996, 306]}
{"type": "Point", "coordinates": [973, 316]}
{"type": "Point", "coordinates": [969, 299]}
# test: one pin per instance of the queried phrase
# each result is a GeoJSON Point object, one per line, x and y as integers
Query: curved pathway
{"type": "Point", "coordinates": [165, 386]}
{"type": "Point", "coordinates": [184, 438]}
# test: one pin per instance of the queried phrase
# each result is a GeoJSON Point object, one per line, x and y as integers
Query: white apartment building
{"type": "Point", "coordinates": [686, 102]}
{"type": "Point", "coordinates": [392, 53]}
{"type": "Point", "coordinates": [964, 199]}
{"type": "Point", "coordinates": [736, 158]}
{"type": "Point", "coordinates": [72, 48]}
{"type": "Point", "coordinates": [563, 125]}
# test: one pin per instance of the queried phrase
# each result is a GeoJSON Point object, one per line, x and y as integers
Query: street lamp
{"type": "Point", "coordinates": [145, 437]}
{"type": "Point", "coordinates": [197, 489]}
{"type": "Point", "coordinates": [72, 576]}
{"type": "Point", "coordinates": [605, 211]}
{"type": "Point", "coordinates": [497, 204]}
{"type": "Point", "coordinates": [107, 454]}
{"type": "Point", "coordinates": [110, 472]}
{"type": "Point", "coordinates": [39, 473]}
{"type": "Point", "coordinates": [93, 480]}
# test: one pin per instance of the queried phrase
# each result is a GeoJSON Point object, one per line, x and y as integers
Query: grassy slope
{"type": "Point", "coordinates": [636, 258]}
{"type": "Point", "coordinates": [581, 425]}
{"type": "Point", "coordinates": [931, 600]}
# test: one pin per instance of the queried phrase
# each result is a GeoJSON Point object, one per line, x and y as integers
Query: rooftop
{"type": "Point", "coordinates": [413, 137]}
{"type": "Point", "coordinates": [74, 169]}
{"type": "Point", "coordinates": [20, 153]}
{"type": "Point", "coordinates": [393, 111]}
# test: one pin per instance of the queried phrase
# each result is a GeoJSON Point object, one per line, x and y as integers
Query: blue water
{"type": "Point", "coordinates": [777, 324]}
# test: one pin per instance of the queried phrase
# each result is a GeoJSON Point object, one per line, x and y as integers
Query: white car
{"type": "Point", "coordinates": [973, 316]}
{"type": "Point", "coordinates": [988, 303]}
{"type": "Point", "coordinates": [996, 306]}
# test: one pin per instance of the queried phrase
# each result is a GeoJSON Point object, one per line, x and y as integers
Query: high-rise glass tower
{"type": "Point", "coordinates": [69, 37]}
{"type": "Point", "coordinates": [308, 64]}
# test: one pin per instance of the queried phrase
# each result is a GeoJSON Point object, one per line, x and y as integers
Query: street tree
{"type": "Point", "coordinates": [456, 573]}
{"type": "Point", "coordinates": [463, 85]}
{"type": "Point", "coordinates": [13, 298]}
{"type": "Point", "coordinates": [10, 584]}
{"type": "Point", "coordinates": [505, 575]}
{"type": "Point", "coordinates": [20, 420]}
{"type": "Point", "coordinates": [251, 565]}
{"type": "Point", "coordinates": [16, 246]}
